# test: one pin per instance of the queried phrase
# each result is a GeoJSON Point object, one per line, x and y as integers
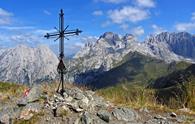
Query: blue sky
{"type": "Point", "coordinates": [25, 21]}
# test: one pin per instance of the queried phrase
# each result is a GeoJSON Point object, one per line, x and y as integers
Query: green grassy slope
{"type": "Point", "coordinates": [136, 68]}
{"type": "Point", "coordinates": [177, 88]}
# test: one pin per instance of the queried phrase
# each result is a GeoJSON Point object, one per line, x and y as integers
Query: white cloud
{"type": "Point", "coordinates": [145, 3]}
{"type": "Point", "coordinates": [124, 26]}
{"type": "Point", "coordinates": [35, 37]}
{"type": "Point", "coordinates": [5, 13]}
{"type": "Point", "coordinates": [157, 29]}
{"type": "Point", "coordinates": [128, 14]}
{"type": "Point", "coordinates": [46, 12]}
{"type": "Point", "coordinates": [79, 44]}
{"type": "Point", "coordinates": [193, 16]}
{"type": "Point", "coordinates": [186, 26]}
{"type": "Point", "coordinates": [44, 31]}
{"type": "Point", "coordinates": [5, 17]}
{"type": "Point", "coordinates": [98, 13]}
{"type": "Point", "coordinates": [111, 1]}
{"type": "Point", "coordinates": [105, 24]}
{"type": "Point", "coordinates": [137, 31]}
{"type": "Point", "coordinates": [11, 40]}
{"type": "Point", "coordinates": [17, 27]}
{"type": "Point", "coordinates": [190, 26]}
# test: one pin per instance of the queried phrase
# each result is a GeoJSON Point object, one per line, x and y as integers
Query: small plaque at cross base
{"type": "Point", "coordinates": [60, 34]}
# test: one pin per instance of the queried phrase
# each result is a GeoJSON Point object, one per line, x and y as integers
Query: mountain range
{"type": "Point", "coordinates": [109, 53]}
{"type": "Point", "coordinates": [110, 49]}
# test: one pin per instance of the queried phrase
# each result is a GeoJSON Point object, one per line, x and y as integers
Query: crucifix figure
{"type": "Point", "coordinates": [61, 34]}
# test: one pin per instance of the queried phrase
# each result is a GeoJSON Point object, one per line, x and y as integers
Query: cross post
{"type": "Point", "coordinates": [61, 34]}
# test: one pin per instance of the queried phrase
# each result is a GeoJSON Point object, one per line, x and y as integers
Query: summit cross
{"type": "Point", "coordinates": [61, 34]}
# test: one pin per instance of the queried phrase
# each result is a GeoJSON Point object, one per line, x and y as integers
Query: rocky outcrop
{"type": "Point", "coordinates": [173, 46]}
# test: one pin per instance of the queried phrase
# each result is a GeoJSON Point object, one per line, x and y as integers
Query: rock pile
{"type": "Point", "coordinates": [90, 108]}
{"type": "Point", "coordinates": [77, 107]}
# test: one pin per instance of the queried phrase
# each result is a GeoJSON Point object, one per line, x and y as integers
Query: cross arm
{"type": "Point", "coordinates": [76, 32]}
{"type": "Point", "coordinates": [51, 35]}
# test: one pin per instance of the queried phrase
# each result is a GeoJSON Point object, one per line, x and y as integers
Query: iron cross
{"type": "Point", "coordinates": [61, 34]}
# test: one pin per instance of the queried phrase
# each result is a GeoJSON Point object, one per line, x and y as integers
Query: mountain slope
{"type": "Point", "coordinates": [102, 55]}
{"type": "Point", "coordinates": [177, 77]}
{"type": "Point", "coordinates": [135, 68]}
{"type": "Point", "coordinates": [177, 87]}
{"type": "Point", "coordinates": [27, 65]}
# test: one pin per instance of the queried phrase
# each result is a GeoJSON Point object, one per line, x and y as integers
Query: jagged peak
{"type": "Point", "coordinates": [110, 36]}
{"type": "Point", "coordinates": [167, 36]}
{"type": "Point", "coordinates": [172, 33]}
{"type": "Point", "coordinates": [128, 37]}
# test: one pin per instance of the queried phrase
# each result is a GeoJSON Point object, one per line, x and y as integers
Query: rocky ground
{"type": "Point", "coordinates": [78, 107]}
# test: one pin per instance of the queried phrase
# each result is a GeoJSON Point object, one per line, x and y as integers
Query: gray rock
{"type": "Point", "coordinates": [78, 96]}
{"type": "Point", "coordinates": [100, 103]}
{"type": "Point", "coordinates": [33, 95]}
{"type": "Point", "coordinates": [89, 94]}
{"type": "Point", "coordinates": [75, 107]}
{"type": "Point", "coordinates": [160, 117]}
{"type": "Point", "coordinates": [104, 115]}
{"type": "Point", "coordinates": [65, 95]}
{"type": "Point", "coordinates": [68, 99]}
{"type": "Point", "coordinates": [159, 121]}
{"type": "Point", "coordinates": [73, 91]}
{"type": "Point", "coordinates": [88, 118]}
{"type": "Point", "coordinates": [28, 110]}
{"type": "Point", "coordinates": [58, 98]}
{"type": "Point", "coordinates": [125, 114]}
{"type": "Point", "coordinates": [7, 114]}
{"type": "Point", "coordinates": [173, 114]}
{"type": "Point", "coordinates": [83, 105]}
{"type": "Point", "coordinates": [4, 119]}
{"type": "Point", "coordinates": [22, 102]}
{"type": "Point", "coordinates": [85, 100]}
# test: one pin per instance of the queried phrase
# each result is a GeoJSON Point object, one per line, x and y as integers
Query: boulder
{"type": "Point", "coordinates": [88, 118]}
{"type": "Point", "coordinates": [78, 96]}
{"type": "Point", "coordinates": [99, 103]}
{"type": "Point", "coordinates": [75, 107]}
{"type": "Point", "coordinates": [125, 114]}
{"type": "Point", "coordinates": [104, 115]}
{"type": "Point", "coordinates": [22, 102]}
{"type": "Point", "coordinates": [33, 95]}
{"type": "Point", "coordinates": [29, 110]}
